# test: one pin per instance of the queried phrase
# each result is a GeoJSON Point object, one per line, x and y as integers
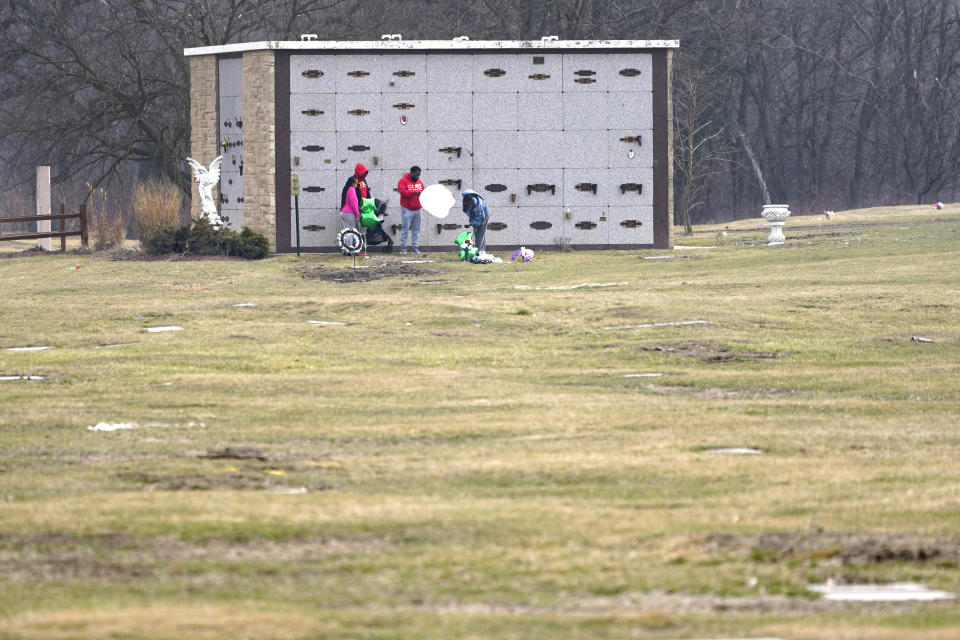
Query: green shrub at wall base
{"type": "Point", "coordinates": [201, 238]}
{"type": "Point", "coordinates": [255, 245]}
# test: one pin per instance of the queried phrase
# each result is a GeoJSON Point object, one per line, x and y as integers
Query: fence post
{"type": "Point", "coordinates": [63, 228]}
{"type": "Point", "coordinates": [43, 205]}
{"type": "Point", "coordinates": [83, 224]}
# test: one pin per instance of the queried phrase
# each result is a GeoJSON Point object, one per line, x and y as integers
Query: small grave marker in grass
{"type": "Point", "coordinates": [682, 323]}
{"type": "Point", "coordinates": [325, 323]}
{"type": "Point", "coordinates": [163, 329]}
{"type": "Point", "coordinates": [27, 348]}
{"type": "Point", "coordinates": [735, 451]}
{"type": "Point", "coordinates": [568, 287]}
{"type": "Point", "coordinates": [289, 491]}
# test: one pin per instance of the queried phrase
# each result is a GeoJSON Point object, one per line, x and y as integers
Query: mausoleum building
{"type": "Point", "coordinates": [570, 142]}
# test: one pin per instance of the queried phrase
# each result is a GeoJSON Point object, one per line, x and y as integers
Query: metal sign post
{"type": "Point", "coordinates": [295, 192]}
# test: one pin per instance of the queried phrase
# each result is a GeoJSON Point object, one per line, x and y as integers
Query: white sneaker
{"type": "Point", "coordinates": [403, 252]}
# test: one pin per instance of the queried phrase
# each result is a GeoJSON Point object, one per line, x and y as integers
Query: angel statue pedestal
{"type": "Point", "coordinates": [207, 179]}
{"type": "Point", "coordinates": [775, 215]}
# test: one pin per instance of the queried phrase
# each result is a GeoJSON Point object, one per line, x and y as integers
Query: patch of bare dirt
{"type": "Point", "coordinates": [668, 258]}
{"type": "Point", "coordinates": [120, 557]}
{"type": "Point", "coordinates": [131, 255]}
{"type": "Point", "coordinates": [236, 453]}
{"type": "Point", "coordinates": [715, 392]}
{"type": "Point", "coordinates": [26, 253]}
{"type": "Point", "coordinates": [712, 352]}
{"type": "Point", "coordinates": [198, 482]}
{"type": "Point", "coordinates": [660, 606]}
{"type": "Point", "coordinates": [848, 549]}
{"type": "Point", "coordinates": [371, 270]}
{"type": "Point", "coordinates": [240, 480]}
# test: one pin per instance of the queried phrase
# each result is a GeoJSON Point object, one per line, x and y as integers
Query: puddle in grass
{"type": "Point", "coordinates": [894, 592]}
{"type": "Point", "coordinates": [124, 426]}
{"type": "Point", "coordinates": [112, 426]}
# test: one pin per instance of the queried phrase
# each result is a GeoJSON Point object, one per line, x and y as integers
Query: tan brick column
{"type": "Point", "coordinates": [259, 144]}
{"type": "Point", "coordinates": [203, 119]}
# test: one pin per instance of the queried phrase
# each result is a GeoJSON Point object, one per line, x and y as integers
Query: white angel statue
{"type": "Point", "coordinates": [207, 179]}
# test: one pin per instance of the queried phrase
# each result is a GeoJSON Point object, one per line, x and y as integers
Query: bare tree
{"type": "Point", "coordinates": [94, 85]}
{"type": "Point", "coordinates": [854, 102]}
{"type": "Point", "coordinates": [699, 146]}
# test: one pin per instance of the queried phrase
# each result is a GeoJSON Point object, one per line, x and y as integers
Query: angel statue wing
{"type": "Point", "coordinates": [214, 170]}
{"type": "Point", "coordinates": [198, 169]}
{"type": "Point", "coordinates": [204, 175]}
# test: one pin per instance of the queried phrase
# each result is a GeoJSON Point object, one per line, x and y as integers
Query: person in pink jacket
{"type": "Point", "coordinates": [350, 207]}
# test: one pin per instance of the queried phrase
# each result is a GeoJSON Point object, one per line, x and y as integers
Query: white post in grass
{"type": "Point", "coordinates": [43, 205]}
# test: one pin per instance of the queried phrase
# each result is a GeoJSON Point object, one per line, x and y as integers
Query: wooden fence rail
{"type": "Point", "coordinates": [62, 233]}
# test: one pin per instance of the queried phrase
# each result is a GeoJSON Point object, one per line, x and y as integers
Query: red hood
{"type": "Point", "coordinates": [360, 171]}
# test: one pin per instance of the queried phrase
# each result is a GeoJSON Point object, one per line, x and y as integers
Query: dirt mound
{"type": "Point", "coordinates": [712, 352]}
{"type": "Point", "coordinates": [839, 547]}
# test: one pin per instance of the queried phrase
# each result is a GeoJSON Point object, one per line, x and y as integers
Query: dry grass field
{"type": "Point", "coordinates": [474, 454]}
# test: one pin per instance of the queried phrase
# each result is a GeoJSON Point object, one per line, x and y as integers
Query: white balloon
{"type": "Point", "coordinates": [437, 200]}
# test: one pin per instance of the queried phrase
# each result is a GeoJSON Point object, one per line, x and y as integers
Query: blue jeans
{"type": "Point", "coordinates": [411, 222]}
{"type": "Point", "coordinates": [480, 235]}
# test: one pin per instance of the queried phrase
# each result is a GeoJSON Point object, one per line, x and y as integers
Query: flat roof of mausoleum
{"type": "Point", "coordinates": [428, 45]}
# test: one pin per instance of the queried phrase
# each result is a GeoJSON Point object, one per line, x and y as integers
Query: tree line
{"type": "Point", "coordinates": [819, 104]}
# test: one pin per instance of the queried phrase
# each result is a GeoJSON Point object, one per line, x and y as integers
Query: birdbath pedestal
{"type": "Point", "coordinates": [775, 215]}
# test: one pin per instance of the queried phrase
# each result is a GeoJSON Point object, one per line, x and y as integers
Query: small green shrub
{"type": "Point", "coordinates": [254, 245]}
{"type": "Point", "coordinates": [201, 238]}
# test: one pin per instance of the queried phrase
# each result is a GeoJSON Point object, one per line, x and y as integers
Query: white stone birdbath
{"type": "Point", "coordinates": [775, 215]}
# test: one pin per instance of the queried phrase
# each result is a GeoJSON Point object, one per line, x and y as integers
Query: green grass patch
{"type": "Point", "coordinates": [463, 458]}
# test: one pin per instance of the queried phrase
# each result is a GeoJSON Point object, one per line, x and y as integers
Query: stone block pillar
{"type": "Point", "coordinates": [204, 136]}
{"type": "Point", "coordinates": [260, 144]}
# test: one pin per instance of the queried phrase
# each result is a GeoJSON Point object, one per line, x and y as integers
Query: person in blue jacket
{"type": "Point", "coordinates": [478, 214]}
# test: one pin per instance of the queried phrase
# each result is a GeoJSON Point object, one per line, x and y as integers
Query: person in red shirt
{"type": "Point", "coordinates": [410, 188]}
{"type": "Point", "coordinates": [363, 189]}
